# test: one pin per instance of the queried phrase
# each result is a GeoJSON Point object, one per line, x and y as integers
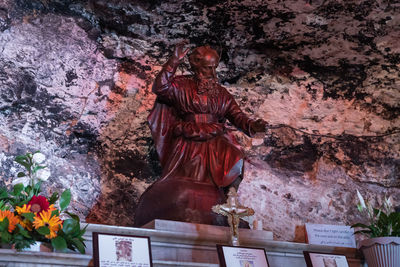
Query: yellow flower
{"type": "Point", "coordinates": [24, 209]}
{"type": "Point", "coordinates": [22, 220]}
{"type": "Point", "coordinates": [12, 219]}
{"type": "Point", "coordinates": [52, 222]}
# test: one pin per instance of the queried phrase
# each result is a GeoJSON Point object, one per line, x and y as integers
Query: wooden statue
{"type": "Point", "coordinates": [198, 154]}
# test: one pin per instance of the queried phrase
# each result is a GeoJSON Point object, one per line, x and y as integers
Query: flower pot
{"type": "Point", "coordinates": [39, 246]}
{"type": "Point", "coordinates": [381, 251]}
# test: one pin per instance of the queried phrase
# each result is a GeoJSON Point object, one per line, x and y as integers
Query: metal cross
{"type": "Point", "coordinates": [234, 211]}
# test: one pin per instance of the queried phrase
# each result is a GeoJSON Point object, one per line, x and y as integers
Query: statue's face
{"type": "Point", "coordinates": [206, 68]}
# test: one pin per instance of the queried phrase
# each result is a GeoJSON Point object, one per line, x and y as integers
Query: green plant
{"type": "Point", "coordinates": [383, 221]}
{"type": "Point", "coordinates": [29, 182]}
{"type": "Point", "coordinates": [26, 216]}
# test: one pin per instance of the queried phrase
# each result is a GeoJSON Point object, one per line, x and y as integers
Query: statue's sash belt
{"type": "Point", "coordinates": [201, 118]}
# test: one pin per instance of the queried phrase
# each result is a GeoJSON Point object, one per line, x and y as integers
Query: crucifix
{"type": "Point", "coordinates": [234, 211]}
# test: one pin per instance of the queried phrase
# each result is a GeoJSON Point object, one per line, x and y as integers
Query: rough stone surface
{"type": "Point", "coordinates": [75, 80]}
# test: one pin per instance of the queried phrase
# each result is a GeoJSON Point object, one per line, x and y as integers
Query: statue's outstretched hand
{"type": "Point", "coordinates": [258, 126]}
{"type": "Point", "coordinates": [180, 52]}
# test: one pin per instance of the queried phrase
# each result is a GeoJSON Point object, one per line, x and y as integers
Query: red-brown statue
{"type": "Point", "coordinates": [198, 154]}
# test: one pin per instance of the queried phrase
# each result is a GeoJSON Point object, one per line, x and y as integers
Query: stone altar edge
{"type": "Point", "coordinates": [205, 230]}
{"type": "Point", "coordinates": [192, 239]}
{"type": "Point", "coordinates": [172, 248]}
{"type": "Point", "coordinates": [32, 259]}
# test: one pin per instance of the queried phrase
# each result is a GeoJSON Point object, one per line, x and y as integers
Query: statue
{"type": "Point", "coordinates": [198, 154]}
{"type": "Point", "coordinates": [234, 211]}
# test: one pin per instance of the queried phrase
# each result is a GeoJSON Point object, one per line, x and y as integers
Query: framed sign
{"type": "Point", "coordinates": [121, 250]}
{"type": "Point", "coordinates": [317, 259]}
{"type": "Point", "coordinates": [230, 256]}
{"type": "Point", "coordinates": [330, 235]}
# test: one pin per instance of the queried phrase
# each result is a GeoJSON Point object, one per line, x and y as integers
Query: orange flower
{"type": "Point", "coordinates": [52, 222]}
{"type": "Point", "coordinates": [24, 209]}
{"type": "Point", "coordinates": [12, 219]}
{"type": "Point", "coordinates": [22, 220]}
{"type": "Point", "coordinates": [51, 208]}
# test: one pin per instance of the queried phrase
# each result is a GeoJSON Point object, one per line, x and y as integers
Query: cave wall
{"type": "Point", "coordinates": [75, 83]}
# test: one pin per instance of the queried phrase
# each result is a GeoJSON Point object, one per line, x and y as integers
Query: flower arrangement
{"type": "Point", "coordinates": [383, 221]}
{"type": "Point", "coordinates": [27, 217]}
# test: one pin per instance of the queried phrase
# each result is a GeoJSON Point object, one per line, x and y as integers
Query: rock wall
{"type": "Point", "coordinates": [75, 80]}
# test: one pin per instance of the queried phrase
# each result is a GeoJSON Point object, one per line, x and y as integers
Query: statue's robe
{"type": "Point", "coordinates": [198, 154]}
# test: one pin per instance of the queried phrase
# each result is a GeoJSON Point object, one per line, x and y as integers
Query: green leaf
{"type": "Point", "coordinates": [394, 217]}
{"type": "Point", "coordinates": [360, 207]}
{"type": "Point", "coordinates": [43, 230]}
{"type": "Point", "coordinates": [55, 213]}
{"type": "Point", "coordinates": [20, 242]}
{"type": "Point", "coordinates": [80, 245]}
{"type": "Point", "coordinates": [24, 161]}
{"type": "Point", "coordinates": [65, 199]}
{"type": "Point", "coordinates": [82, 231]}
{"type": "Point", "coordinates": [59, 243]}
{"type": "Point", "coordinates": [3, 193]}
{"type": "Point", "coordinates": [17, 189]}
{"type": "Point", "coordinates": [30, 192]}
{"type": "Point", "coordinates": [23, 232]}
{"type": "Point", "coordinates": [36, 188]}
{"type": "Point", "coordinates": [29, 216]}
{"type": "Point", "coordinates": [377, 212]}
{"type": "Point", "coordinates": [4, 225]}
{"type": "Point", "coordinates": [69, 226]}
{"type": "Point", "coordinates": [28, 188]}
{"type": "Point", "coordinates": [21, 158]}
{"type": "Point", "coordinates": [73, 216]}
{"type": "Point", "coordinates": [20, 203]}
{"type": "Point", "coordinates": [6, 237]}
{"type": "Point", "coordinates": [2, 205]}
{"type": "Point", "coordinates": [21, 174]}
{"type": "Point", "coordinates": [54, 197]}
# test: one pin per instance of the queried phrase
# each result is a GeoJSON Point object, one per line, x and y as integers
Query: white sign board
{"type": "Point", "coordinates": [315, 259]}
{"type": "Point", "coordinates": [121, 250]}
{"type": "Point", "coordinates": [330, 235]}
{"type": "Point", "coordinates": [241, 256]}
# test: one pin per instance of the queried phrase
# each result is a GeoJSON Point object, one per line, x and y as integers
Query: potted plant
{"type": "Point", "coordinates": [382, 247]}
{"type": "Point", "coordinates": [28, 217]}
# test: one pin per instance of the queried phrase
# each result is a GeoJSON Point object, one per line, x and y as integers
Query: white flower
{"type": "Point", "coordinates": [43, 174]}
{"type": "Point", "coordinates": [23, 180]}
{"type": "Point", "coordinates": [38, 158]}
{"type": "Point", "coordinates": [388, 204]}
{"type": "Point", "coordinates": [389, 201]}
{"type": "Point", "coordinates": [362, 202]}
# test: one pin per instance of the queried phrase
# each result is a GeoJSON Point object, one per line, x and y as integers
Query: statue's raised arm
{"type": "Point", "coordinates": [162, 83]}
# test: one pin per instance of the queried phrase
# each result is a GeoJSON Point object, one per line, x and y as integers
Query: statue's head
{"type": "Point", "coordinates": [204, 60]}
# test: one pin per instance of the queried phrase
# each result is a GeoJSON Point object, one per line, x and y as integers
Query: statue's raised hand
{"type": "Point", "coordinates": [180, 52]}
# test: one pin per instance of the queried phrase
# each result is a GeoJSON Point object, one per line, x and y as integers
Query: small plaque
{"type": "Point", "coordinates": [316, 259]}
{"type": "Point", "coordinates": [330, 235]}
{"type": "Point", "coordinates": [230, 256]}
{"type": "Point", "coordinates": [121, 250]}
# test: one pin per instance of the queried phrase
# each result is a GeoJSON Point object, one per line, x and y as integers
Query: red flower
{"type": "Point", "coordinates": [39, 204]}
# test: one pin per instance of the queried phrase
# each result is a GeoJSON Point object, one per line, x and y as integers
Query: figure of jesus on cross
{"type": "Point", "coordinates": [234, 211]}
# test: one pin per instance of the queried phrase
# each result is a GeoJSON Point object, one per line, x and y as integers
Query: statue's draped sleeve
{"type": "Point", "coordinates": [237, 117]}
{"type": "Point", "coordinates": [163, 117]}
